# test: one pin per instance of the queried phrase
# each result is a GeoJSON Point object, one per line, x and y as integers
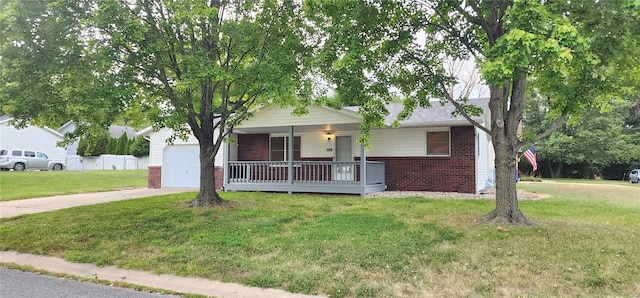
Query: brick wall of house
{"type": "Point", "coordinates": [154, 179]}
{"type": "Point", "coordinates": [454, 173]}
{"type": "Point", "coordinates": [253, 147]}
{"type": "Point", "coordinates": [219, 171]}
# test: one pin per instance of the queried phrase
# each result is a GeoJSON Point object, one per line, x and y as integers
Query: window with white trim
{"type": "Point", "coordinates": [279, 146]}
{"type": "Point", "coordinates": [438, 143]}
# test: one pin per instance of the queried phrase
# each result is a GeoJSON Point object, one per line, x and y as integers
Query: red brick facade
{"type": "Point", "coordinates": [253, 147]}
{"type": "Point", "coordinates": [219, 171]}
{"type": "Point", "coordinates": [154, 179]}
{"type": "Point", "coordinates": [454, 173]}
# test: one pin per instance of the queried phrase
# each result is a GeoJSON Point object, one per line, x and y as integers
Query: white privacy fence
{"type": "Point", "coordinates": [107, 162]}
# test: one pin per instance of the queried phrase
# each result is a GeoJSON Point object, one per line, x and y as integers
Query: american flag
{"type": "Point", "coordinates": [530, 155]}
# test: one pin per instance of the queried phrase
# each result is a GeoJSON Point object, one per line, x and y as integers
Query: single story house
{"type": "Point", "coordinates": [319, 152]}
{"type": "Point", "coordinates": [32, 137]}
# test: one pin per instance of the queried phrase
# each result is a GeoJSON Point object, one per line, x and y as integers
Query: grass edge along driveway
{"type": "Point", "coordinates": [34, 184]}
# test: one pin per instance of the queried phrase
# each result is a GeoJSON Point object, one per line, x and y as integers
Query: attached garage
{"type": "Point", "coordinates": [177, 164]}
{"type": "Point", "coordinates": [181, 166]}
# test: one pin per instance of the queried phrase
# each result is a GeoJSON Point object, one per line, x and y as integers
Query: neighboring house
{"type": "Point", "coordinates": [105, 161]}
{"type": "Point", "coordinates": [115, 131]}
{"type": "Point", "coordinates": [430, 151]}
{"type": "Point", "coordinates": [32, 137]}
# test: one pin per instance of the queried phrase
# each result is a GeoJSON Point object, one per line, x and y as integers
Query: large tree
{"type": "Point", "coordinates": [373, 47]}
{"type": "Point", "coordinates": [605, 133]}
{"type": "Point", "coordinates": [598, 139]}
{"type": "Point", "coordinates": [197, 66]}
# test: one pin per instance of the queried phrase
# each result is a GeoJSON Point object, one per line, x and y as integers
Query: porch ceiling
{"type": "Point", "coordinates": [296, 129]}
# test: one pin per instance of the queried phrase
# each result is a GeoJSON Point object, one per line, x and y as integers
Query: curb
{"type": "Point", "coordinates": [180, 284]}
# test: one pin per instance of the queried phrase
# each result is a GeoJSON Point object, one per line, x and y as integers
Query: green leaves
{"type": "Point", "coordinates": [90, 60]}
{"type": "Point", "coordinates": [52, 70]}
{"type": "Point", "coordinates": [535, 43]}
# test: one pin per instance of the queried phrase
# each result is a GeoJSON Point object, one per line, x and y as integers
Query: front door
{"type": "Point", "coordinates": [344, 152]}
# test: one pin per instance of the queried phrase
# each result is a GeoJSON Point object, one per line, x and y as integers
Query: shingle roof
{"type": "Point", "coordinates": [436, 114]}
{"type": "Point", "coordinates": [117, 130]}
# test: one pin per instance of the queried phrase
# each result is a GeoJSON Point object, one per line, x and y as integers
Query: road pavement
{"type": "Point", "coordinates": [19, 284]}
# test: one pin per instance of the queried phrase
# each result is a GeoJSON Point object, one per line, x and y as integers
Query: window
{"type": "Point", "coordinates": [278, 148]}
{"type": "Point", "coordinates": [41, 155]}
{"type": "Point", "coordinates": [438, 143]}
{"type": "Point", "coordinates": [16, 153]}
{"type": "Point", "coordinates": [29, 154]}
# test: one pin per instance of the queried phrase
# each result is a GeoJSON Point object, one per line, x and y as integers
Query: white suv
{"type": "Point", "coordinates": [20, 160]}
{"type": "Point", "coordinates": [634, 176]}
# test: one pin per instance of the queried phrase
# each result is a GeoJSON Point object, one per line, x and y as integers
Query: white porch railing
{"type": "Point", "coordinates": [329, 173]}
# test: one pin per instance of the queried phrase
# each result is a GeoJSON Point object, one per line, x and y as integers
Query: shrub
{"type": "Point", "coordinates": [121, 148]}
{"type": "Point", "coordinates": [139, 147]}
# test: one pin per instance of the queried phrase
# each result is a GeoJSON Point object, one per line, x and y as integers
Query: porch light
{"type": "Point", "coordinates": [328, 136]}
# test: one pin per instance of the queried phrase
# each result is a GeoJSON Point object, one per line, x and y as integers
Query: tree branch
{"type": "Point", "coordinates": [443, 90]}
{"type": "Point", "coordinates": [556, 124]}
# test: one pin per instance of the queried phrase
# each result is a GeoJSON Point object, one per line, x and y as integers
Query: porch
{"type": "Point", "coordinates": [354, 177]}
{"type": "Point", "coordinates": [277, 151]}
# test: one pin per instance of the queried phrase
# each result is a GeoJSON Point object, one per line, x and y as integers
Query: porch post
{"type": "Point", "coordinates": [290, 158]}
{"type": "Point", "coordinates": [363, 171]}
{"type": "Point", "coordinates": [225, 163]}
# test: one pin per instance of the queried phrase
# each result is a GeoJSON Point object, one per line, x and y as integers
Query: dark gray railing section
{"type": "Point", "coordinates": [305, 172]}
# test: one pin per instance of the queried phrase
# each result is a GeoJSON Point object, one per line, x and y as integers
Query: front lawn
{"type": "Point", "coordinates": [346, 246]}
{"type": "Point", "coordinates": [33, 184]}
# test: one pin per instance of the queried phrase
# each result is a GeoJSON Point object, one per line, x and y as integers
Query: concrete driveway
{"type": "Point", "coordinates": [37, 205]}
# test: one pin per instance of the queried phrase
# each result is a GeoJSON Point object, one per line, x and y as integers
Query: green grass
{"type": "Point", "coordinates": [345, 246]}
{"type": "Point", "coordinates": [586, 181]}
{"type": "Point", "coordinates": [32, 184]}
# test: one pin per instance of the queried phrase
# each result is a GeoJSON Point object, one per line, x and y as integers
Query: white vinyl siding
{"type": "Point", "coordinates": [275, 116]}
{"type": "Point", "coordinates": [32, 138]}
{"type": "Point", "coordinates": [482, 160]}
{"type": "Point", "coordinates": [158, 142]}
{"type": "Point", "coordinates": [316, 145]}
{"type": "Point", "coordinates": [398, 142]}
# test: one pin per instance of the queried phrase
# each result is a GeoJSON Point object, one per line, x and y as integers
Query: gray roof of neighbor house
{"type": "Point", "coordinates": [117, 130]}
{"type": "Point", "coordinates": [433, 116]}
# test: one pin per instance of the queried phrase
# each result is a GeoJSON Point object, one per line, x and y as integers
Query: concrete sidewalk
{"type": "Point", "coordinates": [37, 205]}
{"type": "Point", "coordinates": [185, 285]}
{"type": "Point", "coordinates": [190, 285]}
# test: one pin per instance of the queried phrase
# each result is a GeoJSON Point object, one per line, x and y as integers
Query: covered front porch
{"type": "Point", "coordinates": [305, 176]}
{"type": "Point", "coordinates": [317, 153]}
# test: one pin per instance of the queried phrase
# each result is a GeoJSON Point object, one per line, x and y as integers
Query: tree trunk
{"type": "Point", "coordinates": [506, 113]}
{"type": "Point", "coordinates": [506, 212]}
{"type": "Point", "coordinates": [208, 196]}
{"type": "Point", "coordinates": [557, 172]}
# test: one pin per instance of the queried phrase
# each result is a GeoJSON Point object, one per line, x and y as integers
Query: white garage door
{"type": "Point", "coordinates": [181, 166]}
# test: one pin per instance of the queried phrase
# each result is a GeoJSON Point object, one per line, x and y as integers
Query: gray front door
{"type": "Point", "coordinates": [344, 152]}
